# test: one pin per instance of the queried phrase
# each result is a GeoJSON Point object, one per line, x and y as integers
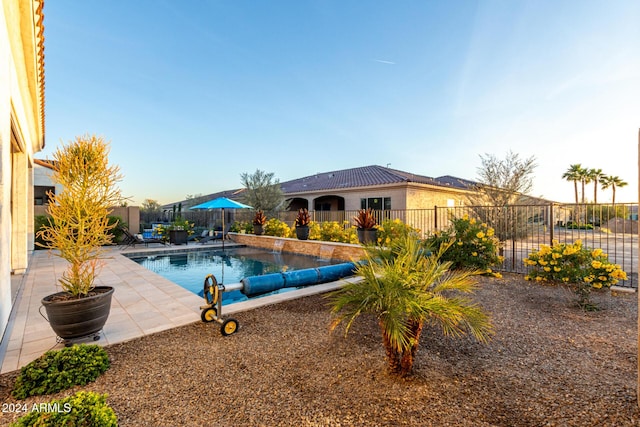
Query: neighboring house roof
{"type": "Point", "coordinates": [365, 176]}
{"type": "Point", "coordinates": [50, 164]}
{"type": "Point", "coordinates": [453, 181]}
{"type": "Point", "coordinates": [186, 204]}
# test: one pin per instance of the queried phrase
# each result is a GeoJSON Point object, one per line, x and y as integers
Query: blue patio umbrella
{"type": "Point", "coordinates": [221, 203]}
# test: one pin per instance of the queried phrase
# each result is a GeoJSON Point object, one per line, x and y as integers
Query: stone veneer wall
{"type": "Point", "coordinates": [343, 251]}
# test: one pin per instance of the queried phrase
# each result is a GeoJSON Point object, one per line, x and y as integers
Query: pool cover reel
{"type": "Point", "coordinates": [258, 285]}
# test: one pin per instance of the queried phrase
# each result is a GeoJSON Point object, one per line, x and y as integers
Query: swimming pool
{"type": "Point", "coordinates": [189, 269]}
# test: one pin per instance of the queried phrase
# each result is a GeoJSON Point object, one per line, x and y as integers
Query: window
{"type": "Point", "coordinates": [40, 194]}
{"type": "Point", "coordinates": [376, 203]}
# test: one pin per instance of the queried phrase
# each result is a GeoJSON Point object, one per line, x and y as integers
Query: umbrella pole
{"type": "Point", "coordinates": [223, 229]}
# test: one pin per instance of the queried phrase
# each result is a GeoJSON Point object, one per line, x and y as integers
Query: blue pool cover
{"type": "Point", "coordinates": [257, 285]}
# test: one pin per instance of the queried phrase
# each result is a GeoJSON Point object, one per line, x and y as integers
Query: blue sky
{"type": "Point", "coordinates": [192, 94]}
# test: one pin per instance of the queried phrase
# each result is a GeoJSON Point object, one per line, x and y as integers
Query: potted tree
{"type": "Point", "coordinates": [258, 223]}
{"type": "Point", "coordinates": [78, 229]}
{"type": "Point", "coordinates": [302, 224]}
{"type": "Point", "coordinates": [366, 226]}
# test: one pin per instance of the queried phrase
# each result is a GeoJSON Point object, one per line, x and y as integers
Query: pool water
{"type": "Point", "coordinates": [189, 269]}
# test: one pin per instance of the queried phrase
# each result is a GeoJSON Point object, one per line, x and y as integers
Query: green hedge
{"type": "Point", "coordinates": [82, 409]}
{"type": "Point", "coordinates": [61, 369]}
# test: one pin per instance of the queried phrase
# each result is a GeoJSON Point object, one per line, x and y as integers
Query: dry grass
{"type": "Point", "coordinates": [549, 364]}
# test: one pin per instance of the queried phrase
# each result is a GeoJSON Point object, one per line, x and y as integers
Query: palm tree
{"type": "Point", "coordinates": [585, 179]}
{"type": "Point", "coordinates": [595, 175]}
{"type": "Point", "coordinates": [574, 174]}
{"type": "Point", "coordinates": [405, 290]}
{"type": "Point", "coordinates": [613, 182]}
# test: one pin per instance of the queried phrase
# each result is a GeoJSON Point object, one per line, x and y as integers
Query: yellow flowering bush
{"type": "Point", "coordinates": [275, 227]}
{"type": "Point", "coordinates": [475, 245]}
{"type": "Point", "coordinates": [333, 231]}
{"type": "Point", "coordinates": [574, 264]}
{"type": "Point", "coordinates": [392, 229]}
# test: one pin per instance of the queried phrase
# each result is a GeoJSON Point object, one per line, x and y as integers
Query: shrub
{"type": "Point", "coordinates": [475, 245]}
{"type": "Point", "coordinates": [116, 222]}
{"type": "Point", "coordinates": [574, 264]}
{"type": "Point", "coordinates": [392, 230]}
{"type": "Point", "coordinates": [39, 222]}
{"type": "Point", "coordinates": [277, 228]}
{"type": "Point", "coordinates": [81, 409]}
{"type": "Point", "coordinates": [576, 226]}
{"type": "Point", "coordinates": [333, 231]}
{"type": "Point", "coordinates": [61, 369]}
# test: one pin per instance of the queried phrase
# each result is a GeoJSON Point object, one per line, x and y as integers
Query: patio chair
{"type": "Point", "coordinates": [218, 235]}
{"type": "Point", "coordinates": [132, 240]}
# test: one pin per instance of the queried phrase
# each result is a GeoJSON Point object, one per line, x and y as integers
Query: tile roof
{"type": "Point", "coordinates": [452, 181]}
{"type": "Point", "coordinates": [363, 177]}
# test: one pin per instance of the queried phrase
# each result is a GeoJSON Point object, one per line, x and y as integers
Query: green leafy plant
{"type": "Point", "coordinates": [474, 245]}
{"type": "Point", "coordinates": [85, 408]}
{"type": "Point", "coordinates": [178, 224]}
{"type": "Point", "coordinates": [277, 228]}
{"type": "Point", "coordinates": [61, 369]}
{"type": "Point", "coordinates": [116, 232]}
{"type": "Point", "coordinates": [574, 264]}
{"type": "Point", "coordinates": [405, 289]}
{"type": "Point", "coordinates": [365, 219]}
{"type": "Point", "coordinates": [577, 226]}
{"type": "Point", "coordinates": [391, 230]}
{"type": "Point", "coordinates": [80, 224]}
{"type": "Point", "coordinates": [303, 218]}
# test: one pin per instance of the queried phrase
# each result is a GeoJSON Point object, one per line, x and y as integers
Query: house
{"type": "Point", "coordinates": [375, 187]}
{"type": "Point", "coordinates": [21, 136]}
{"type": "Point", "coordinates": [42, 182]}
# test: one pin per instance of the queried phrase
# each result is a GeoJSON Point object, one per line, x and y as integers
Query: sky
{"type": "Point", "coordinates": [192, 94]}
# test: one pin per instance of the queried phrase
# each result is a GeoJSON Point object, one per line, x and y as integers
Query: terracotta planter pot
{"type": "Point", "coordinates": [76, 318]}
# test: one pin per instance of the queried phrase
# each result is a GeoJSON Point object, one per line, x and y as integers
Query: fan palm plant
{"type": "Point", "coordinates": [406, 288]}
{"type": "Point", "coordinates": [574, 174]}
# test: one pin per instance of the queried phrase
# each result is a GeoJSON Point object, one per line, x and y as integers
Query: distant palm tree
{"type": "Point", "coordinates": [595, 175]}
{"type": "Point", "coordinates": [613, 182]}
{"type": "Point", "coordinates": [405, 289]}
{"type": "Point", "coordinates": [574, 174]}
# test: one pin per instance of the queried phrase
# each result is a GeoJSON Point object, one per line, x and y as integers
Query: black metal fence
{"type": "Point", "coordinates": [520, 228]}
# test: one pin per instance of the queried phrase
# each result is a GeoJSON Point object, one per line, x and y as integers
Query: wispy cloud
{"type": "Point", "coordinates": [382, 61]}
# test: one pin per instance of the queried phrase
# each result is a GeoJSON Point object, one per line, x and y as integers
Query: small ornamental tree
{"type": "Point", "coordinates": [80, 224]}
{"type": "Point", "coordinates": [406, 289]}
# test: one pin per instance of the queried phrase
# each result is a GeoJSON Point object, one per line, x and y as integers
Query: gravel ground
{"type": "Point", "coordinates": [549, 364]}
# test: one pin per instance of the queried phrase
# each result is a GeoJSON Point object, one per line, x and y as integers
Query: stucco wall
{"type": "Point", "coordinates": [21, 135]}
